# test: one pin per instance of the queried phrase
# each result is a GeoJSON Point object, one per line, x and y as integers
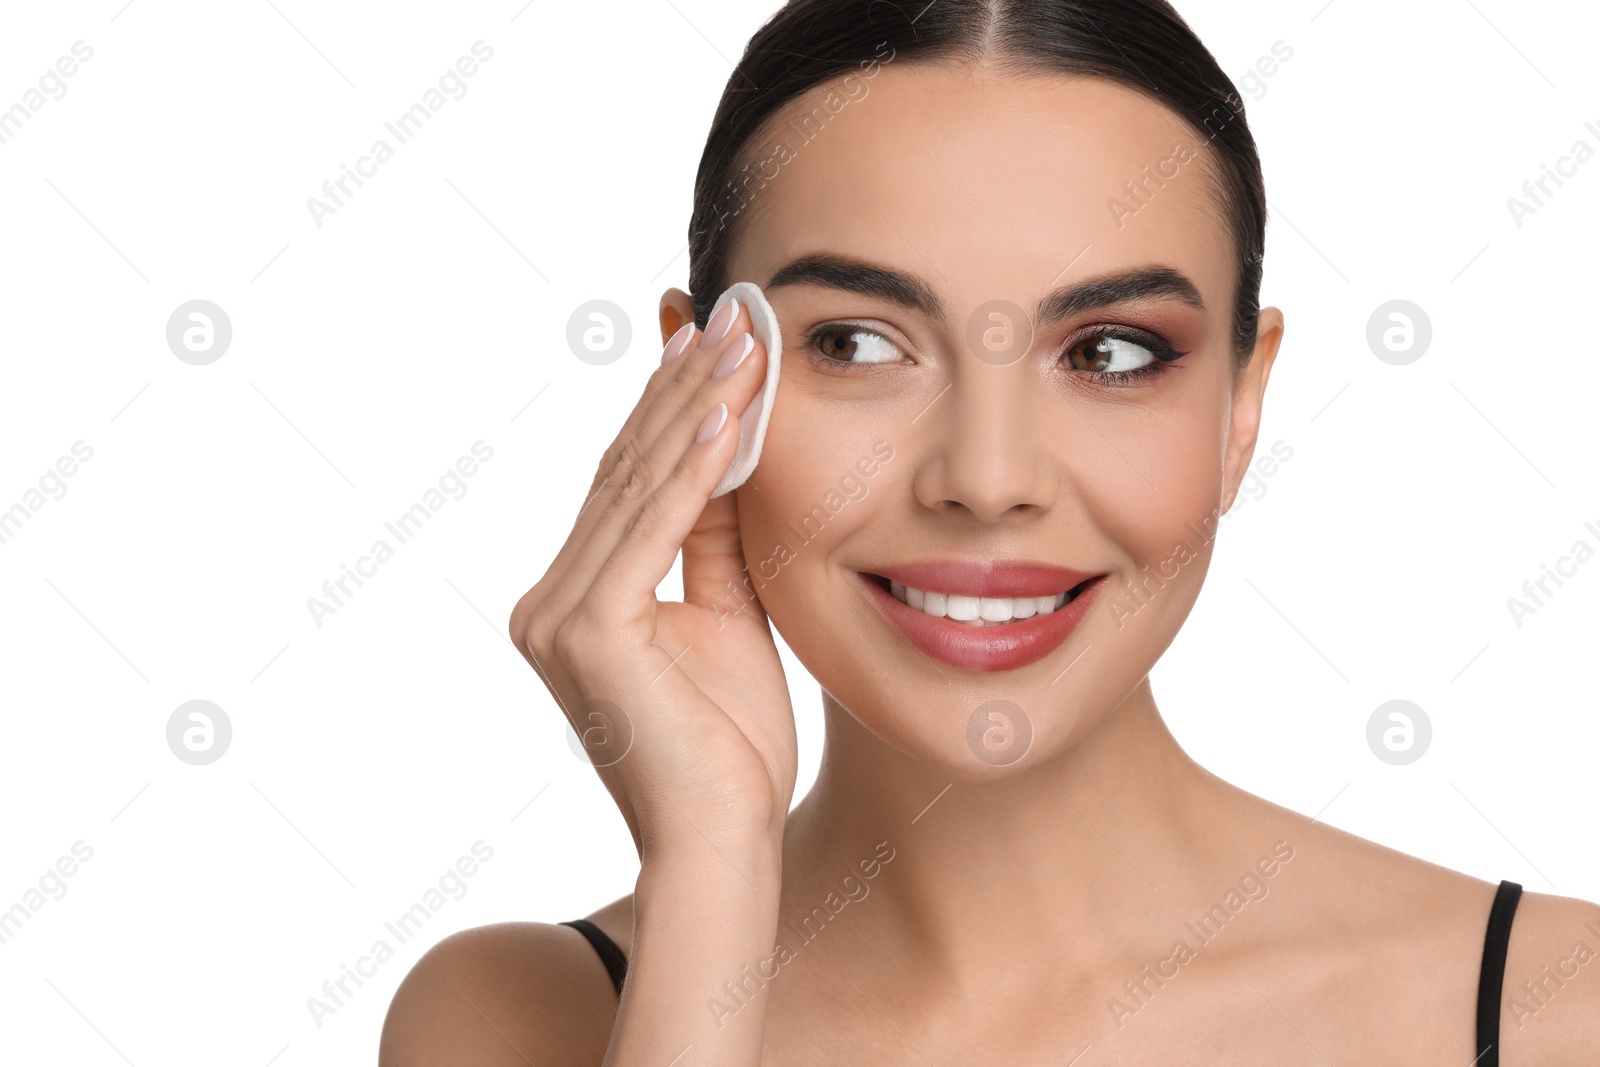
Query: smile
{"type": "Point", "coordinates": [982, 616]}
{"type": "Point", "coordinates": [980, 611]}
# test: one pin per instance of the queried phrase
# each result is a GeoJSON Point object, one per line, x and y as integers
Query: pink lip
{"type": "Point", "coordinates": [985, 648]}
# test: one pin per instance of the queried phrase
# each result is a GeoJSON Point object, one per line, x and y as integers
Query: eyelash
{"type": "Point", "coordinates": [1158, 348]}
{"type": "Point", "coordinates": [816, 332]}
{"type": "Point", "coordinates": [1163, 353]}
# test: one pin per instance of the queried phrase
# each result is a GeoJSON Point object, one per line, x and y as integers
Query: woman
{"type": "Point", "coordinates": [1014, 247]}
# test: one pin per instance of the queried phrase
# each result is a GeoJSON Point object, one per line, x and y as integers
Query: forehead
{"type": "Point", "coordinates": [988, 185]}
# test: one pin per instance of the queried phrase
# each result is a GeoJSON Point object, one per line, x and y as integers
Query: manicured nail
{"type": "Point", "coordinates": [678, 344]}
{"type": "Point", "coordinates": [734, 356]}
{"type": "Point", "coordinates": [712, 423]}
{"type": "Point", "coordinates": [717, 327]}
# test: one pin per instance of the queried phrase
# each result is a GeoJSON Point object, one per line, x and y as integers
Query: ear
{"type": "Point", "coordinates": [1248, 393]}
{"type": "Point", "coordinates": [676, 309]}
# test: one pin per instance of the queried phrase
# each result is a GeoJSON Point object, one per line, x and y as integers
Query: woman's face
{"type": "Point", "coordinates": [938, 216]}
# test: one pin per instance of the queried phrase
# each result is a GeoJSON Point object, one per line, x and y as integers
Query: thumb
{"type": "Point", "coordinates": [713, 558]}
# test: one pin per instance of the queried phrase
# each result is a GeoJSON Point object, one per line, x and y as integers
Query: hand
{"type": "Point", "coordinates": [705, 729]}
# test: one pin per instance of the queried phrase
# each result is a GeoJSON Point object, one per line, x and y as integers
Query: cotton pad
{"type": "Point", "coordinates": [753, 423]}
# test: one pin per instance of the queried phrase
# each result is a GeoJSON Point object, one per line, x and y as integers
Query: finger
{"type": "Point", "coordinates": [685, 339]}
{"type": "Point", "coordinates": [658, 527]}
{"type": "Point", "coordinates": [662, 398]}
{"type": "Point", "coordinates": [670, 387]}
{"type": "Point", "coordinates": [713, 561]}
{"type": "Point", "coordinates": [669, 380]}
{"type": "Point", "coordinates": [650, 461]}
{"type": "Point", "coordinates": [734, 393]}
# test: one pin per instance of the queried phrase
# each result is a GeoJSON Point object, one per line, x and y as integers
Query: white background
{"type": "Point", "coordinates": [370, 753]}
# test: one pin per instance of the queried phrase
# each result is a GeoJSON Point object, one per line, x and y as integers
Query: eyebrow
{"type": "Point", "coordinates": [909, 291]}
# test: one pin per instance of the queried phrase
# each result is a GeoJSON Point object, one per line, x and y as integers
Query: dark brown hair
{"type": "Point", "coordinates": [1141, 44]}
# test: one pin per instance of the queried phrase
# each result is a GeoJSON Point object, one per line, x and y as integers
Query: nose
{"type": "Point", "coordinates": [989, 453]}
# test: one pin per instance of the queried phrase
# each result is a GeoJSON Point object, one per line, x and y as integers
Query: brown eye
{"type": "Point", "coordinates": [854, 344]}
{"type": "Point", "coordinates": [1108, 355]}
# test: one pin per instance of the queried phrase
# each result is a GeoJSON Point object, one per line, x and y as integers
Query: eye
{"type": "Point", "coordinates": [1119, 354]}
{"type": "Point", "coordinates": [848, 344]}
{"type": "Point", "coordinates": [1109, 354]}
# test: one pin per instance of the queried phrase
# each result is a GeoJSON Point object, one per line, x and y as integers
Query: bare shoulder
{"type": "Point", "coordinates": [510, 993]}
{"type": "Point", "coordinates": [1396, 942]}
{"type": "Point", "coordinates": [1402, 941]}
{"type": "Point", "coordinates": [1550, 1003]}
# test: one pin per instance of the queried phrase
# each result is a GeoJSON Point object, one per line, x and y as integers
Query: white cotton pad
{"type": "Point", "coordinates": [753, 423]}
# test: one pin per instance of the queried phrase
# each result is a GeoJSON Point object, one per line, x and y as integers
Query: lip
{"type": "Point", "coordinates": [985, 648]}
{"type": "Point", "coordinates": [999, 578]}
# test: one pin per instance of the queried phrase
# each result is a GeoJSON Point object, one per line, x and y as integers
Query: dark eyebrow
{"type": "Point", "coordinates": [1115, 289]}
{"type": "Point", "coordinates": [909, 291]}
{"type": "Point", "coordinates": [854, 276]}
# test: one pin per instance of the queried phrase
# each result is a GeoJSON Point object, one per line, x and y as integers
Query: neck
{"type": "Point", "coordinates": [1074, 854]}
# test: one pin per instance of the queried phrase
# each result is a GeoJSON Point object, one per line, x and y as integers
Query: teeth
{"type": "Point", "coordinates": [962, 608]}
{"type": "Point", "coordinates": [976, 611]}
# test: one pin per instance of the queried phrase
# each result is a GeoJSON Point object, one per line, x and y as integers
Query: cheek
{"type": "Point", "coordinates": [1162, 512]}
{"type": "Point", "coordinates": [806, 495]}
{"type": "Point", "coordinates": [1183, 461]}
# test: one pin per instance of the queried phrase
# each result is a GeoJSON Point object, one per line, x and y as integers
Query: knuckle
{"type": "Point", "coordinates": [636, 484]}
{"type": "Point", "coordinates": [537, 643]}
{"type": "Point", "coordinates": [573, 637]}
{"type": "Point", "coordinates": [686, 375]}
{"type": "Point", "coordinates": [530, 604]}
{"type": "Point", "coordinates": [636, 487]}
{"type": "Point", "coordinates": [517, 626]}
{"type": "Point", "coordinates": [618, 460]}
{"type": "Point", "coordinates": [631, 454]}
{"type": "Point", "coordinates": [630, 459]}
{"type": "Point", "coordinates": [648, 520]}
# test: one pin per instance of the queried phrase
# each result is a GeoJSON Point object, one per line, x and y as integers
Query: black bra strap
{"type": "Point", "coordinates": [1491, 975]}
{"type": "Point", "coordinates": [610, 955]}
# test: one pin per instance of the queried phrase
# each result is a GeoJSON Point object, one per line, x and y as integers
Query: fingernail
{"type": "Point", "coordinates": [717, 327]}
{"type": "Point", "coordinates": [712, 423]}
{"type": "Point", "coordinates": [734, 356]}
{"type": "Point", "coordinates": [678, 343]}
